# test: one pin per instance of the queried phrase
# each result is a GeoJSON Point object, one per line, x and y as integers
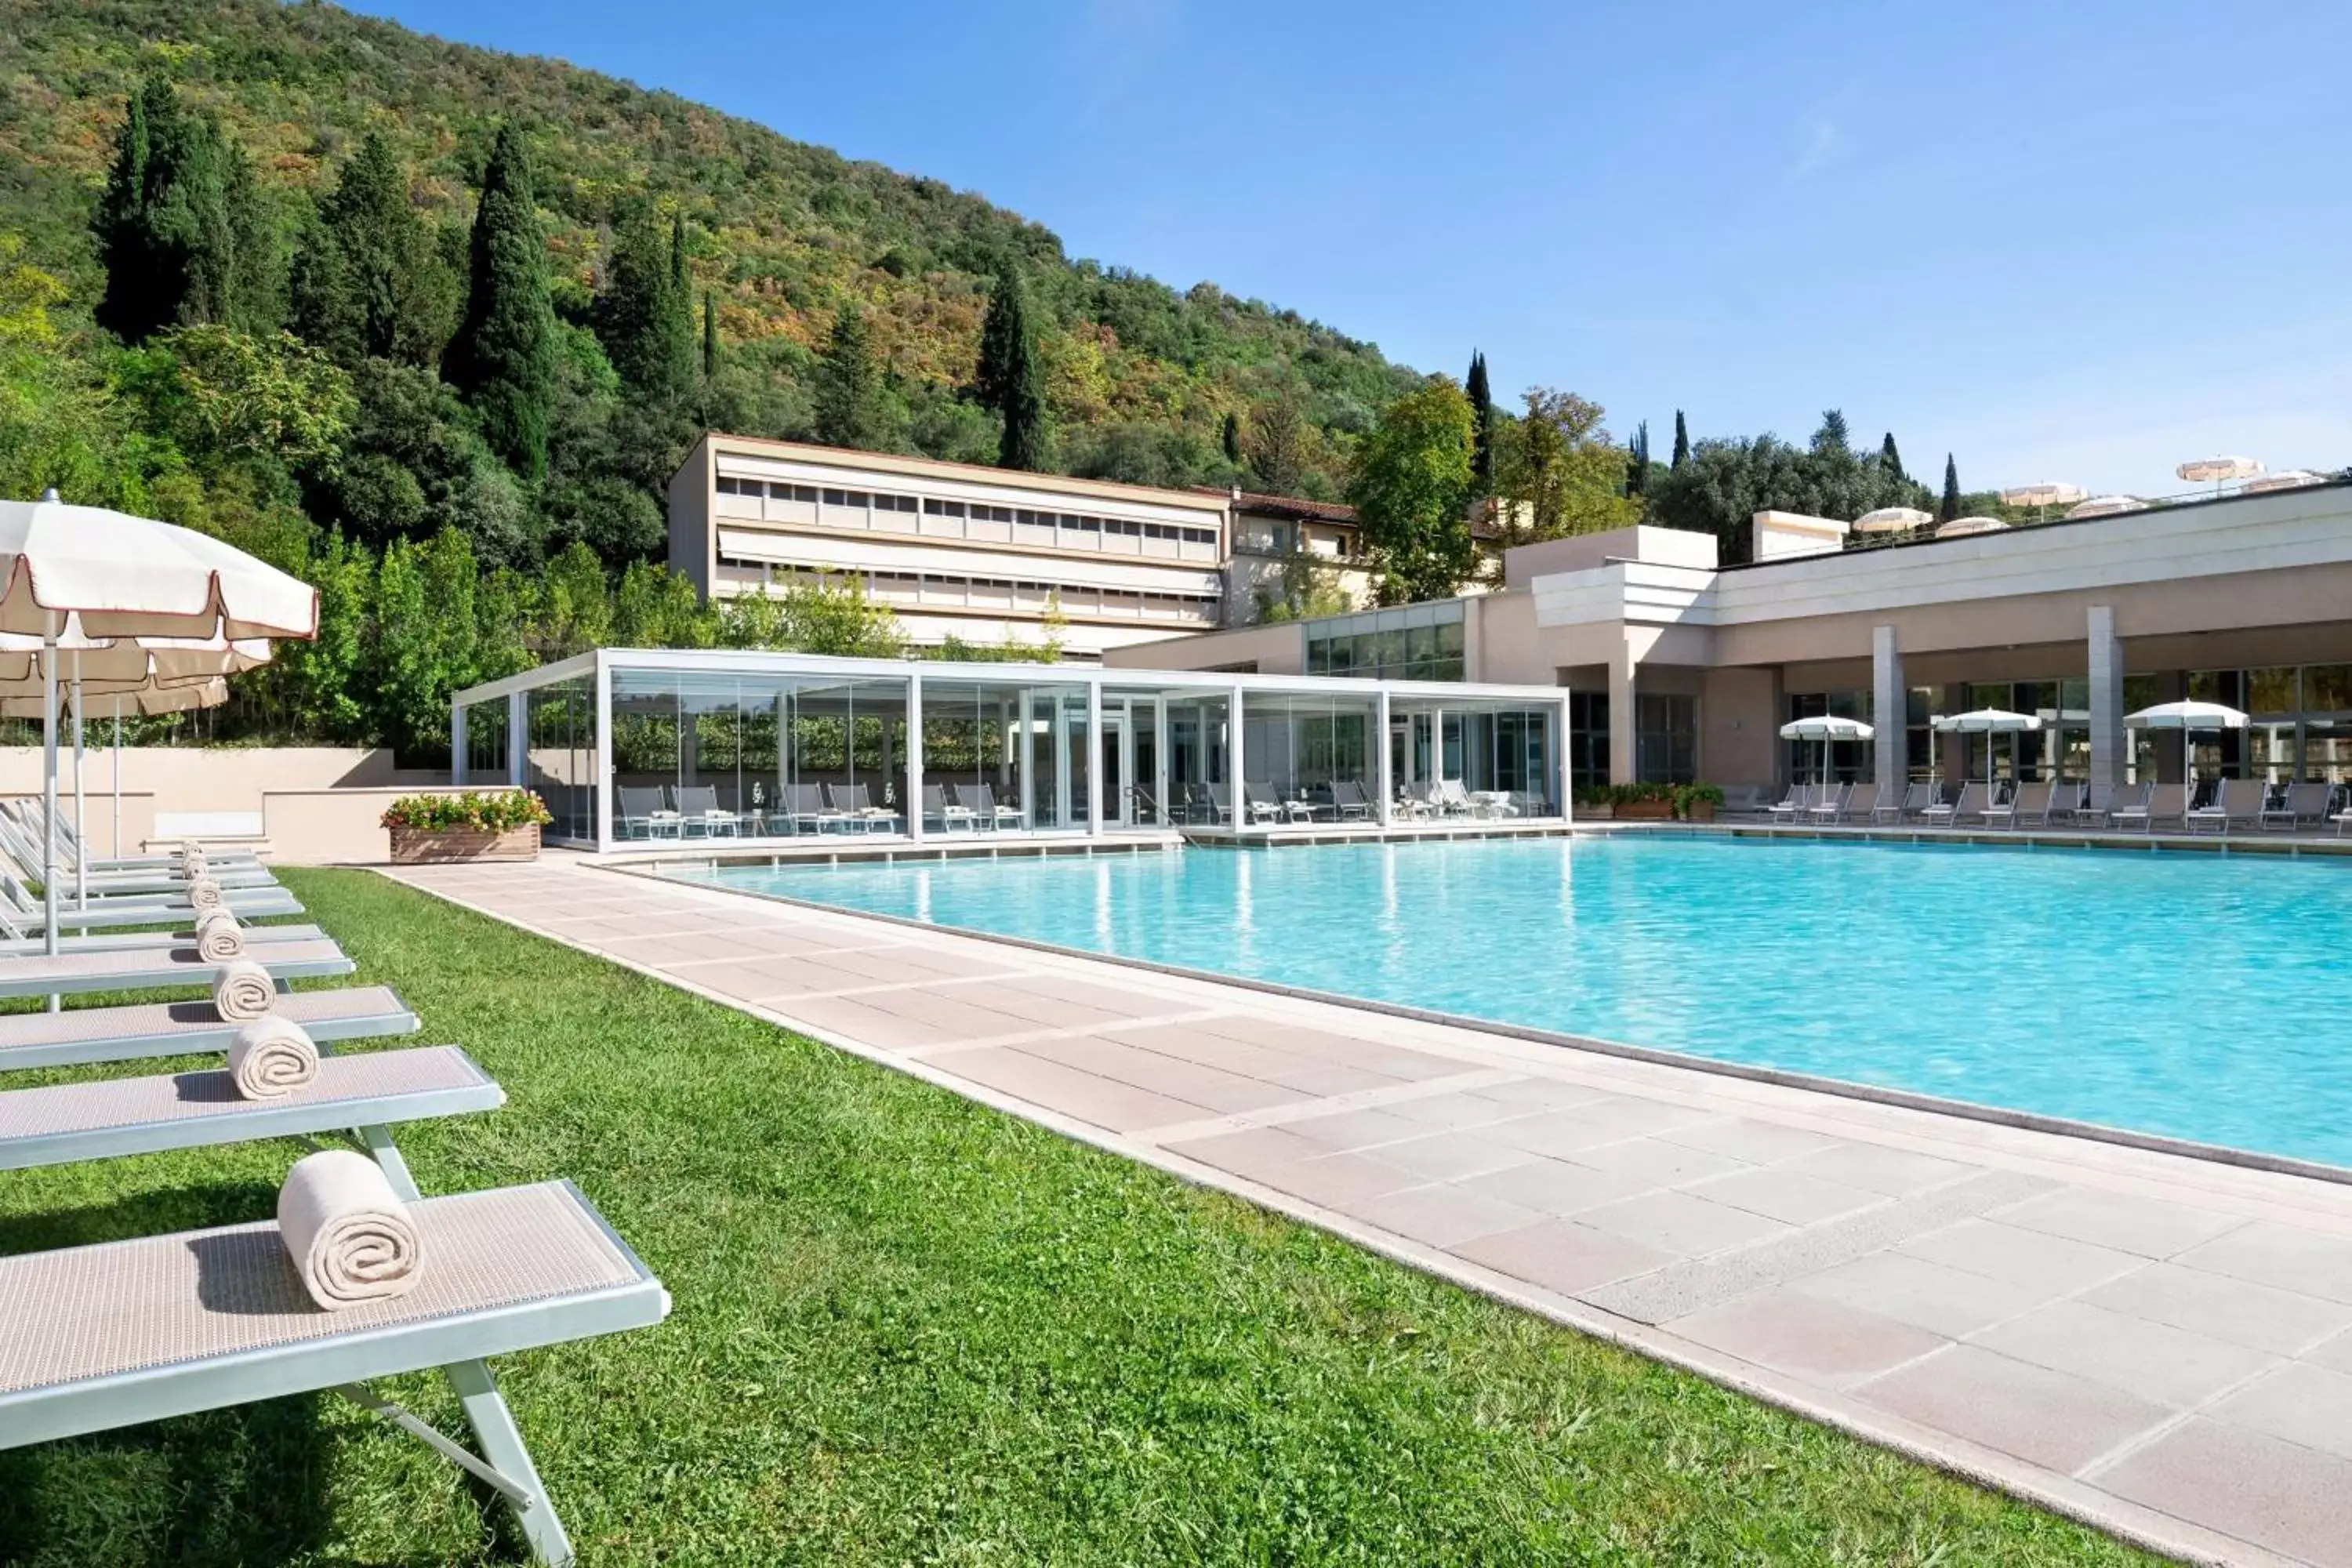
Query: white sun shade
{"type": "Point", "coordinates": [2186, 716]}
{"type": "Point", "coordinates": [2284, 480]}
{"type": "Point", "coordinates": [130, 576]}
{"type": "Point", "coordinates": [1961, 527]}
{"type": "Point", "coordinates": [1986, 722]}
{"type": "Point", "coordinates": [2043, 495]}
{"type": "Point", "coordinates": [2219, 470]}
{"type": "Point", "coordinates": [1892, 520]}
{"type": "Point", "coordinates": [2106, 506]}
{"type": "Point", "coordinates": [1826, 726]}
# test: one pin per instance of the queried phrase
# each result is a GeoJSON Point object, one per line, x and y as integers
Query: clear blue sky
{"type": "Point", "coordinates": [2077, 242]}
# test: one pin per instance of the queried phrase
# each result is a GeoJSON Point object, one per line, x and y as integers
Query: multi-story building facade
{"type": "Point", "coordinates": [1287, 551]}
{"type": "Point", "coordinates": [990, 556]}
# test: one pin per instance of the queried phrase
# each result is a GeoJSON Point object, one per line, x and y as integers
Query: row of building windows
{"type": "Point", "coordinates": [932, 506]}
{"type": "Point", "coordinates": [915, 588]}
{"type": "Point", "coordinates": [1420, 642]}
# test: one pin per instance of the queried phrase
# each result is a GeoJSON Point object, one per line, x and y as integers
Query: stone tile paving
{"type": "Point", "coordinates": [2160, 1344]}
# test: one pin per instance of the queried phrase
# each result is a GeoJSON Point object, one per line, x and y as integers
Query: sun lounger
{"type": "Point", "coordinates": [937, 808]}
{"type": "Point", "coordinates": [22, 916]}
{"type": "Point", "coordinates": [1742, 800]}
{"type": "Point", "coordinates": [214, 1319]}
{"type": "Point", "coordinates": [980, 799]}
{"type": "Point", "coordinates": [2237, 803]}
{"type": "Point", "coordinates": [2298, 804]}
{"type": "Point", "coordinates": [71, 974]}
{"type": "Point", "coordinates": [1972, 802]}
{"type": "Point", "coordinates": [130, 940]}
{"type": "Point", "coordinates": [638, 813]}
{"type": "Point", "coordinates": [1896, 806]}
{"type": "Point", "coordinates": [2060, 806]}
{"type": "Point", "coordinates": [83, 1035]}
{"type": "Point", "coordinates": [1349, 801]}
{"type": "Point", "coordinates": [1800, 800]}
{"type": "Point", "coordinates": [2030, 800]}
{"type": "Point", "coordinates": [24, 859]}
{"type": "Point", "coordinates": [26, 816]}
{"type": "Point", "coordinates": [697, 807]}
{"type": "Point", "coordinates": [1831, 805]}
{"type": "Point", "coordinates": [62, 1123]}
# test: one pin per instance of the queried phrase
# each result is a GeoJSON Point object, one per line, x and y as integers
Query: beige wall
{"type": "Point", "coordinates": [317, 804]}
{"type": "Point", "coordinates": [1278, 648]}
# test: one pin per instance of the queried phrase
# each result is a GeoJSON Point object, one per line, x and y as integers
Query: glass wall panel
{"type": "Point", "coordinates": [1198, 757]}
{"type": "Point", "coordinates": [561, 755]}
{"type": "Point", "coordinates": [487, 759]}
{"type": "Point", "coordinates": [1309, 758]}
{"type": "Point", "coordinates": [1412, 642]}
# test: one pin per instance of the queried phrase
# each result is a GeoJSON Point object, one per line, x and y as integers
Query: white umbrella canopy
{"type": "Point", "coordinates": [2284, 480]}
{"type": "Point", "coordinates": [2188, 718]}
{"type": "Point", "coordinates": [1892, 520]}
{"type": "Point", "coordinates": [2106, 506]}
{"type": "Point", "coordinates": [2219, 470]}
{"type": "Point", "coordinates": [1961, 527]}
{"type": "Point", "coordinates": [1986, 721]}
{"type": "Point", "coordinates": [128, 577]}
{"type": "Point", "coordinates": [1825, 728]}
{"type": "Point", "coordinates": [2043, 495]}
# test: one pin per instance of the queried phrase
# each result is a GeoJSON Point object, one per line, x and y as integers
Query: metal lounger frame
{"type": "Point", "coordinates": [66, 982]}
{"type": "Point", "coordinates": [150, 1031]}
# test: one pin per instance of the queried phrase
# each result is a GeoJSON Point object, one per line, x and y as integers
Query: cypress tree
{"type": "Point", "coordinates": [368, 279]}
{"type": "Point", "coordinates": [1009, 378]}
{"type": "Point", "coordinates": [710, 339]}
{"type": "Point", "coordinates": [850, 409]}
{"type": "Point", "coordinates": [1229, 437]}
{"type": "Point", "coordinates": [1637, 466]}
{"type": "Point", "coordinates": [1482, 424]}
{"type": "Point", "coordinates": [1682, 440]}
{"type": "Point", "coordinates": [503, 358]}
{"type": "Point", "coordinates": [182, 229]}
{"type": "Point", "coordinates": [645, 314]}
{"type": "Point", "coordinates": [1951, 507]}
{"type": "Point", "coordinates": [1890, 462]}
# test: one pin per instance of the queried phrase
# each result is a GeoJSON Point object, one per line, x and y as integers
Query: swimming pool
{"type": "Point", "coordinates": [2197, 997]}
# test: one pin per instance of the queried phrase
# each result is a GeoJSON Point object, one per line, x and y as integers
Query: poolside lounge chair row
{"type": "Point", "coordinates": [653, 812]}
{"type": "Point", "coordinates": [2234, 802]}
{"type": "Point", "coordinates": [206, 1319]}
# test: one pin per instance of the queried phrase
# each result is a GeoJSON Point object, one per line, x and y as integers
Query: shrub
{"type": "Point", "coordinates": [1689, 796]}
{"type": "Point", "coordinates": [474, 811]}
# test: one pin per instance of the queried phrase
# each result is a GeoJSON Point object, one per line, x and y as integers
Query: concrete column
{"type": "Point", "coordinates": [915, 759]}
{"type": "Point", "coordinates": [518, 738]}
{"type": "Point", "coordinates": [1093, 760]}
{"type": "Point", "coordinates": [1888, 710]}
{"type": "Point", "coordinates": [602, 720]}
{"type": "Point", "coordinates": [1233, 801]}
{"type": "Point", "coordinates": [1167, 813]}
{"type": "Point", "coordinates": [2109, 753]}
{"type": "Point", "coordinates": [457, 740]}
{"type": "Point", "coordinates": [1384, 773]}
{"type": "Point", "coordinates": [1621, 748]}
{"type": "Point", "coordinates": [1562, 763]}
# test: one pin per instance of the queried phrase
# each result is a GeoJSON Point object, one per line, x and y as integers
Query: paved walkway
{"type": "Point", "coordinates": [2159, 1344]}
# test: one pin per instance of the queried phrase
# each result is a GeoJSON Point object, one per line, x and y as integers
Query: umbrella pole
{"type": "Point", "coordinates": [118, 777]}
{"type": "Point", "coordinates": [49, 797]}
{"type": "Point", "coordinates": [81, 826]}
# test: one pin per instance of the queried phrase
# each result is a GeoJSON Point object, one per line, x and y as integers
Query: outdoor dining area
{"type": "Point", "coordinates": [354, 1275]}
{"type": "Point", "coordinates": [651, 751]}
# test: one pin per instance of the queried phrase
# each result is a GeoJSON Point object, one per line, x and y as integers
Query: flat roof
{"type": "Point", "coordinates": [719, 441]}
{"type": "Point", "coordinates": [764, 661]}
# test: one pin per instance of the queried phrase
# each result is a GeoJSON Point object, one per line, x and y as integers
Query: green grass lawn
{"type": "Point", "coordinates": [912, 1330]}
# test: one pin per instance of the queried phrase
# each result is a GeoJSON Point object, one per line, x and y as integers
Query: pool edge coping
{"type": "Point", "coordinates": [1655, 1056]}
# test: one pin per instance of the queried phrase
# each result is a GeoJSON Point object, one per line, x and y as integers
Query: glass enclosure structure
{"type": "Point", "coordinates": [641, 749]}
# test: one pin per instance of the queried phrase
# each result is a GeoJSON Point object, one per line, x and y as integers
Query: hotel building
{"type": "Point", "coordinates": [1679, 669]}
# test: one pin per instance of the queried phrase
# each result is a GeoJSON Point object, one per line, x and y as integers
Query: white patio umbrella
{"type": "Point", "coordinates": [1893, 520]}
{"type": "Point", "coordinates": [124, 576]}
{"type": "Point", "coordinates": [2218, 471]}
{"type": "Point", "coordinates": [2188, 718]}
{"type": "Point", "coordinates": [2106, 506]}
{"type": "Point", "coordinates": [1826, 728]}
{"type": "Point", "coordinates": [1961, 527]}
{"type": "Point", "coordinates": [2284, 480]}
{"type": "Point", "coordinates": [1986, 721]}
{"type": "Point", "coordinates": [2042, 497]}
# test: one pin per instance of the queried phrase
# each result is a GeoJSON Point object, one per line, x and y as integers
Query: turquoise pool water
{"type": "Point", "coordinates": [2193, 995]}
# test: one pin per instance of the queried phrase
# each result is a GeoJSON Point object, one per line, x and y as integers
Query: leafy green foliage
{"type": "Point", "coordinates": [1414, 476]}
{"type": "Point", "coordinates": [369, 280]}
{"type": "Point", "coordinates": [1482, 417]}
{"type": "Point", "coordinates": [1560, 473]}
{"type": "Point", "coordinates": [645, 314]}
{"type": "Point", "coordinates": [852, 409]}
{"type": "Point", "coordinates": [1009, 378]}
{"type": "Point", "coordinates": [471, 811]}
{"type": "Point", "coordinates": [179, 229]}
{"type": "Point", "coordinates": [1724, 483]}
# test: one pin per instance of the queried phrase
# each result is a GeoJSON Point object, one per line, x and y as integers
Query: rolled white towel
{"type": "Point", "coordinates": [205, 893]}
{"type": "Point", "coordinates": [350, 1235]}
{"type": "Point", "coordinates": [272, 1056]}
{"type": "Point", "coordinates": [219, 938]}
{"type": "Point", "coordinates": [243, 991]}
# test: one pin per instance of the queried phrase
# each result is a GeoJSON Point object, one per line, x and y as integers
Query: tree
{"type": "Point", "coordinates": [503, 357]}
{"type": "Point", "coordinates": [710, 340]}
{"type": "Point", "coordinates": [851, 408]}
{"type": "Point", "coordinates": [1637, 464]}
{"type": "Point", "coordinates": [1009, 378]}
{"type": "Point", "coordinates": [1413, 485]}
{"type": "Point", "coordinates": [1833, 435]}
{"type": "Point", "coordinates": [644, 311]}
{"type": "Point", "coordinates": [1229, 437]}
{"type": "Point", "coordinates": [1890, 462]}
{"type": "Point", "coordinates": [1950, 508]}
{"type": "Point", "coordinates": [1482, 417]}
{"type": "Point", "coordinates": [181, 227]}
{"type": "Point", "coordinates": [1559, 474]}
{"type": "Point", "coordinates": [234, 397]}
{"type": "Point", "coordinates": [369, 282]}
{"type": "Point", "coordinates": [1682, 440]}
{"type": "Point", "coordinates": [1277, 447]}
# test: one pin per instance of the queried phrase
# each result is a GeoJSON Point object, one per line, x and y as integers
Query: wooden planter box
{"type": "Point", "coordinates": [1702, 811]}
{"type": "Point", "coordinates": [1645, 811]}
{"type": "Point", "coordinates": [416, 846]}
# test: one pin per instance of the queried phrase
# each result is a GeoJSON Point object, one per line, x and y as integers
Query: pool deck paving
{"type": "Point", "coordinates": [2159, 1344]}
